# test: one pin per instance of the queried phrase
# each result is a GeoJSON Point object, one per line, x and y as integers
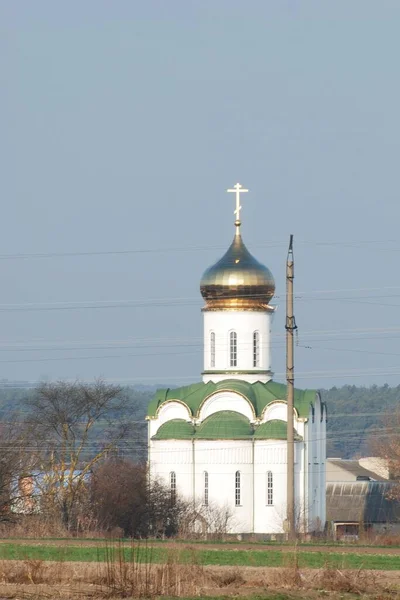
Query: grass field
{"type": "Point", "coordinates": [142, 553]}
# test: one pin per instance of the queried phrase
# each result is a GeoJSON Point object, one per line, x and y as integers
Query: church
{"type": "Point", "coordinates": [223, 441]}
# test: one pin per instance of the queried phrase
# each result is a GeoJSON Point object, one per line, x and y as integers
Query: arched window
{"type": "Point", "coordinates": [233, 349]}
{"type": "Point", "coordinates": [172, 481]}
{"type": "Point", "coordinates": [237, 488]}
{"type": "Point", "coordinates": [205, 488]}
{"type": "Point", "coordinates": [212, 349]}
{"type": "Point", "coordinates": [256, 349]}
{"type": "Point", "coordinates": [270, 489]}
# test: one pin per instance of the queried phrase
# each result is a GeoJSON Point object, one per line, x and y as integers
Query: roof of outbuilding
{"type": "Point", "coordinates": [353, 467]}
{"type": "Point", "coordinates": [258, 394]}
{"type": "Point", "coordinates": [361, 502]}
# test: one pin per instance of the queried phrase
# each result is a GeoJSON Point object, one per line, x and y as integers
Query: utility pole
{"type": "Point", "coordinates": [290, 328]}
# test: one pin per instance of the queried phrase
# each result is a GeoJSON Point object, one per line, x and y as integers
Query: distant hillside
{"type": "Point", "coordinates": [354, 415]}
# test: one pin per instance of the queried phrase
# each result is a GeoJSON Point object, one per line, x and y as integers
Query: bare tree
{"type": "Point", "coordinates": [72, 427]}
{"type": "Point", "coordinates": [14, 468]}
{"type": "Point", "coordinates": [122, 496]}
{"type": "Point", "coordinates": [207, 521]}
{"type": "Point", "coordinates": [387, 447]}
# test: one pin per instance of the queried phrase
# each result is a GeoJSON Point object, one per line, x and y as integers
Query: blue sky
{"type": "Point", "coordinates": [123, 124]}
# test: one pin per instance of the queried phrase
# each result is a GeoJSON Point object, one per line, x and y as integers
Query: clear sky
{"type": "Point", "coordinates": [122, 125]}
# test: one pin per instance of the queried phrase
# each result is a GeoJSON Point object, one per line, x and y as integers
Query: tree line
{"type": "Point", "coordinates": [356, 416]}
{"type": "Point", "coordinates": [74, 456]}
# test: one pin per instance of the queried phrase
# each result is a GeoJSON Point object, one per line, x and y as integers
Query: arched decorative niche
{"type": "Point", "coordinates": [277, 410]}
{"type": "Point", "coordinates": [174, 409]}
{"type": "Point", "coordinates": [226, 400]}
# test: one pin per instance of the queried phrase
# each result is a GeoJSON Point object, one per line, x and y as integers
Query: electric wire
{"type": "Point", "coordinates": [169, 302]}
{"type": "Point", "coordinates": [162, 250]}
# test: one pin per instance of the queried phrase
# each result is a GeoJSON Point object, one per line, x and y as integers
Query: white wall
{"type": "Point", "coordinates": [166, 456]}
{"type": "Point", "coordinates": [322, 454]}
{"type": "Point", "coordinates": [244, 323]}
{"type": "Point", "coordinates": [315, 439]}
{"type": "Point", "coordinates": [222, 459]}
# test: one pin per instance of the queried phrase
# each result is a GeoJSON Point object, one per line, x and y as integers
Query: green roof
{"type": "Point", "coordinates": [274, 430]}
{"type": "Point", "coordinates": [258, 394]}
{"type": "Point", "coordinates": [176, 429]}
{"type": "Point", "coordinates": [225, 425]}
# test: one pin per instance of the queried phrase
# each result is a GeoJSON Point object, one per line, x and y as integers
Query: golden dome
{"type": "Point", "coordinates": [237, 281]}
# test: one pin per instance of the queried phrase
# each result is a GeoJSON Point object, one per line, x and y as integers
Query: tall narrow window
{"type": "Point", "coordinates": [256, 349]}
{"type": "Point", "coordinates": [172, 479]}
{"type": "Point", "coordinates": [205, 488]}
{"type": "Point", "coordinates": [270, 489]}
{"type": "Point", "coordinates": [212, 349]}
{"type": "Point", "coordinates": [237, 488]}
{"type": "Point", "coordinates": [233, 349]}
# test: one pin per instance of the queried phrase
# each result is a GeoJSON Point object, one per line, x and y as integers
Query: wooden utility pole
{"type": "Point", "coordinates": [290, 328]}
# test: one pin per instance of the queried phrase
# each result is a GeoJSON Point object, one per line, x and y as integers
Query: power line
{"type": "Point", "coordinates": [171, 301]}
{"type": "Point", "coordinates": [110, 343]}
{"type": "Point", "coordinates": [163, 379]}
{"type": "Point", "coordinates": [157, 302]}
{"type": "Point", "coordinates": [183, 249]}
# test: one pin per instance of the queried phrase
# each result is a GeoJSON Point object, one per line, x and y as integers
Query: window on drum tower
{"type": "Point", "coordinates": [233, 349]}
{"type": "Point", "coordinates": [256, 349]}
{"type": "Point", "coordinates": [212, 349]}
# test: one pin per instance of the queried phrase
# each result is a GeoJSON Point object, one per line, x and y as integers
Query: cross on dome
{"type": "Point", "coordinates": [237, 189]}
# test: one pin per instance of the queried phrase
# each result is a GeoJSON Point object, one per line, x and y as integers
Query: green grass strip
{"type": "Point", "coordinates": [256, 544]}
{"type": "Point", "coordinates": [258, 558]}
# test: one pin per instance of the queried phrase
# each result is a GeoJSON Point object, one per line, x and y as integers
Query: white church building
{"type": "Point", "coordinates": [222, 441]}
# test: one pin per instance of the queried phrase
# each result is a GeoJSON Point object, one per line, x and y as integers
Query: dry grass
{"type": "Point", "coordinates": [385, 539]}
{"type": "Point", "coordinates": [33, 526]}
{"type": "Point", "coordinates": [120, 579]}
{"type": "Point", "coordinates": [354, 582]}
{"type": "Point", "coordinates": [122, 575]}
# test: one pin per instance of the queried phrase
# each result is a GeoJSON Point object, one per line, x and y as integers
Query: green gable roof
{"type": "Point", "coordinates": [258, 394]}
{"type": "Point", "coordinates": [274, 430]}
{"type": "Point", "coordinates": [225, 425]}
{"type": "Point", "coordinates": [176, 429]}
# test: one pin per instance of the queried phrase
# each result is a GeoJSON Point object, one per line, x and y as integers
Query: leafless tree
{"type": "Point", "coordinates": [14, 467]}
{"type": "Point", "coordinates": [72, 427]}
{"type": "Point", "coordinates": [207, 521]}
{"type": "Point", "coordinates": [386, 446]}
